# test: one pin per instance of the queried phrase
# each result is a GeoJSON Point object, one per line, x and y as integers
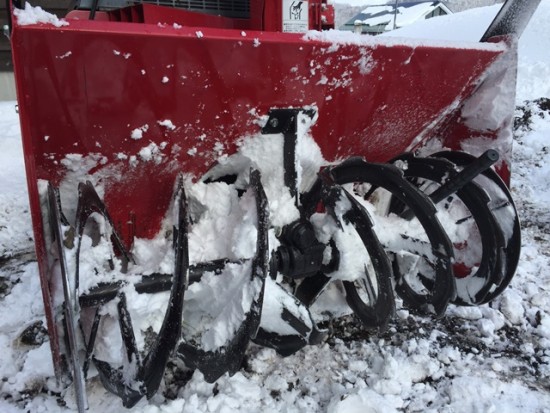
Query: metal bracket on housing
{"type": "Point", "coordinates": [285, 121]}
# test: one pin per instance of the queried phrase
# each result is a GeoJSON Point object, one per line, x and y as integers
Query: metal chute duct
{"type": "Point", "coordinates": [511, 19]}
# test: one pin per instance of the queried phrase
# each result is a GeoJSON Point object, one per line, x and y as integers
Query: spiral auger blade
{"type": "Point", "coordinates": [478, 240]}
{"type": "Point", "coordinates": [501, 206]}
{"type": "Point", "coordinates": [383, 308]}
{"type": "Point", "coordinates": [370, 295]}
{"type": "Point", "coordinates": [436, 294]}
{"type": "Point", "coordinates": [213, 363]}
{"type": "Point", "coordinates": [149, 370]}
{"type": "Point", "coordinates": [295, 328]}
{"type": "Point", "coordinates": [141, 371]}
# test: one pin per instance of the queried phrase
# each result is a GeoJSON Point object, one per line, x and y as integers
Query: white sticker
{"type": "Point", "coordinates": [295, 16]}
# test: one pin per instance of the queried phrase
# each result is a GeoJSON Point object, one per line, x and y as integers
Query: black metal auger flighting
{"type": "Point", "coordinates": [390, 179]}
{"type": "Point", "coordinates": [228, 358]}
{"type": "Point", "coordinates": [149, 369]}
{"type": "Point", "coordinates": [378, 306]}
{"type": "Point", "coordinates": [503, 209]}
{"type": "Point", "coordinates": [348, 206]}
{"type": "Point", "coordinates": [442, 174]}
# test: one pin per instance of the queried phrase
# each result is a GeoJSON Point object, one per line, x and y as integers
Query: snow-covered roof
{"type": "Point", "coordinates": [407, 13]}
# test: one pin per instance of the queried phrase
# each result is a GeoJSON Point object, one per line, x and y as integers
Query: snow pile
{"type": "Point", "coordinates": [346, 37]}
{"type": "Point", "coordinates": [534, 65]}
{"type": "Point", "coordinates": [466, 26]}
{"type": "Point", "coordinates": [34, 15]}
{"type": "Point", "coordinates": [15, 221]}
{"type": "Point", "coordinates": [470, 25]}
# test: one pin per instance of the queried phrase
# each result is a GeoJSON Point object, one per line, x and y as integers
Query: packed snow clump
{"type": "Point", "coordinates": [35, 15]}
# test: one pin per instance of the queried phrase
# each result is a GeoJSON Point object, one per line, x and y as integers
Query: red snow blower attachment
{"type": "Point", "coordinates": [203, 175]}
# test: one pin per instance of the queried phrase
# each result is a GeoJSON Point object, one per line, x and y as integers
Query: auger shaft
{"type": "Point", "coordinates": [465, 176]}
{"type": "Point", "coordinates": [462, 178]}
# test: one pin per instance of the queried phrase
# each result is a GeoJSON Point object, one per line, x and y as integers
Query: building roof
{"type": "Point", "coordinates": [407, 13]}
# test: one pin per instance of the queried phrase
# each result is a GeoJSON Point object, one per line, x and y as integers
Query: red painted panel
{"type": "Point", "coordinates": [83, 88]}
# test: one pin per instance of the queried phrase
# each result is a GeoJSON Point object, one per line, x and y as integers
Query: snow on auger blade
{"type": "Point", "coordinates": [369, 180]}
{"type": "Point", "coordinates": [504, 213]}
{"type": "Point", "coordinates": [140, 371]}
{"type": "Point", "coordinates": [199, 182]}
{"type": "Point", "coordinates": [228, 353]}
{"type": "Point", "coordinates": [146, 374]}
{"type": "Point", "coordinates": [476, 271]}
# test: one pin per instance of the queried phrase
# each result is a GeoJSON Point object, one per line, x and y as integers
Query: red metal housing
{"type": "Point", "coordinates": [101, 91]}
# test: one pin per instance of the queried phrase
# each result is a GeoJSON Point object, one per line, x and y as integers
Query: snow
{"type": "Point", "coordinates": [137, 133]}
{"type": "Point", "coordinates": [167, 123]}
{"type": "Point", "coordinates": [35, 15]}
{"type": "Point", "coordinates": [217, 306]}
{"type": "Point", "coordinates": [470, 25]}
{"type": "Point", "coordinates": [490, 358]}
{"type": "Point", "coordinates": [405, 15]}
{"type": "Point", "coordinates": [346, 37]}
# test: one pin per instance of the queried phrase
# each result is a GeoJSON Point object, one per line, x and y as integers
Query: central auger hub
{"type": "Point", "coordinates": [301, 254]}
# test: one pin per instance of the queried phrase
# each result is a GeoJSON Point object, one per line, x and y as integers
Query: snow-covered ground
{"type": "Point", "coordinates": [492, 358]}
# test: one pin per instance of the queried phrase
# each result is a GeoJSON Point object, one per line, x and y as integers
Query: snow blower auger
{"type": "Point", "coordinates": [211, 174]}
{"type": "Point", "coordinates": [106, 300]}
